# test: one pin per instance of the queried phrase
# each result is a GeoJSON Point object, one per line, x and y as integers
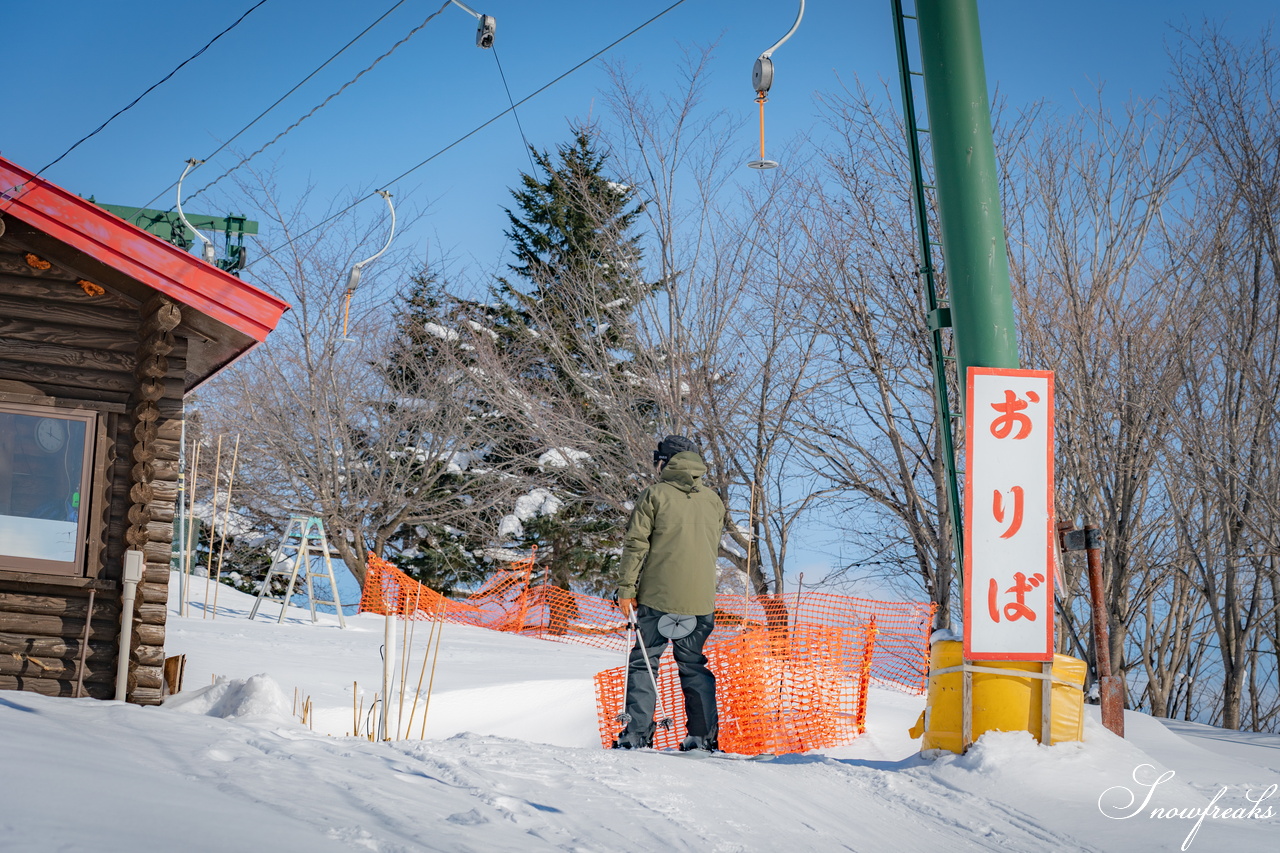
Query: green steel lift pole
{"type": "Point", "coordinates": [939, 314]}
{"type": "Point", "coordinates": [973, 244]}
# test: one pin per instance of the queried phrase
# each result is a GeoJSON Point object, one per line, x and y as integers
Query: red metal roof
{"type": "Point", "coordinates": [156, 263]}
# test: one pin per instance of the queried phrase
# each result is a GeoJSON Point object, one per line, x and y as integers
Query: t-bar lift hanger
{"type": "Point", "coordinates": [206, 251]}
{"type": "Point", "coordinates": [353, 278]}
{"type": "Point", "coordinates": [761, 80]}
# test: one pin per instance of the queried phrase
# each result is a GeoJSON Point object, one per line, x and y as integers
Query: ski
{"type": "Point", "coordinates": [698, 754]}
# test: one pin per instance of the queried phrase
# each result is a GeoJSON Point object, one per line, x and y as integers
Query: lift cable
{"type": "Point", "coordinates": [477, 129]}
{"type": "Point", "coordinates": [413, 32]}
{"type": "Point", "coordinates": [282, 98]}
{"type": "Point", "coordinates": [512, 102]}
{"type": "Point", "coordinates": [132, 103]}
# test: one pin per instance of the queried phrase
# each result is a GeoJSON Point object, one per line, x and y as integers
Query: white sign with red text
{"type": "Point", "coordinates": [1009, 533]}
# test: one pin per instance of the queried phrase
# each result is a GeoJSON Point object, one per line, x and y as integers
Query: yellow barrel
{"type": "Point", "coordinates": [1003, 703]}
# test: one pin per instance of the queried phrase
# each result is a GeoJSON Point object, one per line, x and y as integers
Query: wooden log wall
{"type": "Point", "coordinates": [81, 343]}
{"type": "Point", "coordinates": [155, 456]}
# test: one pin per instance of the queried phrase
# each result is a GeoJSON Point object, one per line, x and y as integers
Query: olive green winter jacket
{"type": "Point", "coordinates": [669, 554]}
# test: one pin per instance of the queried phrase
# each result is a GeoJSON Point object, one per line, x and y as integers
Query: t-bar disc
{"type": "Point", "coordinates": [676, 626]}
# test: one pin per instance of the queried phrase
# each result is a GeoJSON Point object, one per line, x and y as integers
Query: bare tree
{"type": "Point", "coordinates": [329, 430]}
{"type": "Point", "coordinates": [1227, 94]}
{"type": "Point", "coordinates": [761, 370]}
{"type": "Point", "coordinates": [869, 426]}
{"type": "Point", "coordinates": [677, 160]}
{"type": "Point", "coordinates": [731, 318]}
{"type": "Point", "coordinates": [1097, 309]}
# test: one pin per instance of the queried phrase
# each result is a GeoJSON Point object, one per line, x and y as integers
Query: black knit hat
{"type": "Point", "coordinates": [670, 446]}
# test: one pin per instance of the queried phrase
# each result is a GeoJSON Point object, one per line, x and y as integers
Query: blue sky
{"type": "Point", "coordinates": [72, 64]}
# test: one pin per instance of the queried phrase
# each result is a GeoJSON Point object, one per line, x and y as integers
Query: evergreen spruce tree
{"type": "Point", "coordinates": [564, 323]}
{"type": "Point", "coordinates": [550, 369]}
{"type": "Point", "coordinates": [445, 557]}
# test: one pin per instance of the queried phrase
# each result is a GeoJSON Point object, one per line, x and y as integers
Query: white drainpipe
{"type": "Point", "coordinates": [132, 577]}
{"type": "Point", "coordinates": [388, 674]}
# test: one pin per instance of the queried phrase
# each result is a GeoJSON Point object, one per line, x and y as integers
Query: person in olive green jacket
{"type": "Point", "coordinates": [667, 588]}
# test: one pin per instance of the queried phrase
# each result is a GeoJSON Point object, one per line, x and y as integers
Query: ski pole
{"type": "Point", "coordinates": [623, 717]}
{"type": "Point", "coordinates": [665, 721]}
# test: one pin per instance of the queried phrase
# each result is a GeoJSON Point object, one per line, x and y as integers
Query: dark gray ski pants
{"type": "Point", "coordinates": [696, 680]}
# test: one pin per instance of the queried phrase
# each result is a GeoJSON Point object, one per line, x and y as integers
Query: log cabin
{"type": "Point", "coordinates": [104, 329]}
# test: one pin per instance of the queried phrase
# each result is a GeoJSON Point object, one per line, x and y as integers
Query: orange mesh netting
{"type": "Point", "coordinates": [504, 602]}
{"type": "Point", "coordinates": [902, 645]}
{"type": "Point", "coordinates": [555, 613]}
{"type": "Point", "coordinates": [792, 670]}
{"type": "Point", "coordinates": [389, 591]}
{"type": "Point", "coordinates": [901, 658]}
{"type": "Point", "coordinates": [776, 691]}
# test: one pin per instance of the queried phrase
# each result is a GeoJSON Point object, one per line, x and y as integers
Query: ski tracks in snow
{"type": "Point", "coordinates": [483, 793]}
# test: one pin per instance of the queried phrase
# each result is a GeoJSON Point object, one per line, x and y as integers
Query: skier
{"type": "Point", "coordinates": [667, 587]}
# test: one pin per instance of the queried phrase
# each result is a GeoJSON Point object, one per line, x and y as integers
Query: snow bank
{"type": "Point", "coordinates": [510, 764]}
{"type": "Point", "coordinates": [257, 697]}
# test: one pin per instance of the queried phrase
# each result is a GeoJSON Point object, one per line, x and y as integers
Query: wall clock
{"type": "Point", "coordinates": [51, 434]}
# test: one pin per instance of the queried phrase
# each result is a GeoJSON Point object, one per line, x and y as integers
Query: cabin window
{"type": "Point", "coordinates": [45, 472]}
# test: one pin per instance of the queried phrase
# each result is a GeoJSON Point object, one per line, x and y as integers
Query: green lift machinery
{"type": "Point", "coordinates": [166, 225]}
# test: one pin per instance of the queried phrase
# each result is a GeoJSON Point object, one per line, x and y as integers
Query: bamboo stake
{"type": "Point", "coordinates": [796, 612]}
{"type": "Point", "coordinates": [226, 519]}
{"type": "Point", "coordinates": [410, 627]}
{"type": "Point", "coordinates": [355, 712]}
{"type": "Point", "coordinates": [404, 662]}
{"type": "Point", "coordinates": [191, 522]}
{"type": "Point", "coordinates": [426, 707]}
{"type": "Point", "coordinates": [213, 516]}
{"type": "Point", "coordinates": [795, 621]}
{"type": "Point", "coordinates": [413, 709]}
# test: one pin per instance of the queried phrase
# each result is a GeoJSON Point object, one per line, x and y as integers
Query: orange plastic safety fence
{"type": "Point", "coordinates": [901, 657]}
{"type": "Point", "coordinates": [502, 603]}
{"type": "Point", "coordinates": [780, 691]}
{"type": "Point", "coordinates": [555, 613]}
{"type": "Point", "coordinates": [519, 601]}
{"type": "Point", "coordinates": [792, 670]}
{"type": "Point", "coordinates": [525, 601]}
{"type": "Point", "coordinates": [609, 700]}
{"type": "Point", "coordinates": [389, 591]}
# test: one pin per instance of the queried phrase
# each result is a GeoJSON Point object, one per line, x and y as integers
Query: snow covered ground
{"type": "Point", "coordinates": [512, 762]}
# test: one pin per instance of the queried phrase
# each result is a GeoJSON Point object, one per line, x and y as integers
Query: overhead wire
{"type": "Point", "coordinates": [148, 91]}
{"type": "Point", "coordinates": [280, 100]}
{"type": "Point", "coordinates": [473, 131]}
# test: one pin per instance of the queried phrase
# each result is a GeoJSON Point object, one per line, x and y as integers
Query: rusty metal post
{"type": "Point", "coordinates": [1110, 687]}
{"type": "Point", "coordinates": [1110, 690]}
